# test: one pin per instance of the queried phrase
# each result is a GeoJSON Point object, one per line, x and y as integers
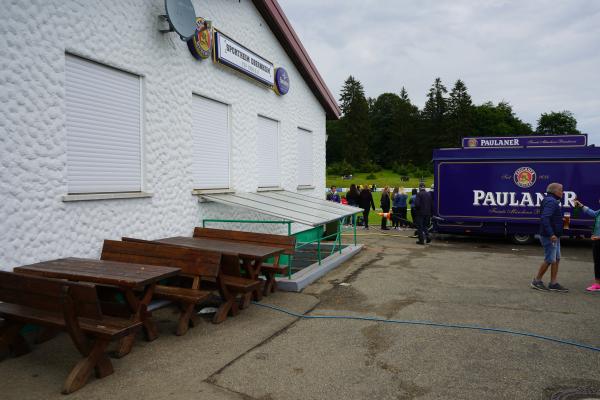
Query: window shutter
{"type": "Point", "coordinates": [211, 143]}
{"type": "Point", "coordinates": [103, 113]}
{"type": "Point", "coordinates": [305, 157]}
{"type": "Point", "coordinates": [268, 152]}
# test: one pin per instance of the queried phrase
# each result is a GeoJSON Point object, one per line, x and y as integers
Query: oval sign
{"type": "Point", "coordinates": [200, 44]}
{"type": "Point", "coordinates": [282, 81]}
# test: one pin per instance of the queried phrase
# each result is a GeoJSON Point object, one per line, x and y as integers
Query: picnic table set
{"type": "Point", "coordinates": [98, 301]}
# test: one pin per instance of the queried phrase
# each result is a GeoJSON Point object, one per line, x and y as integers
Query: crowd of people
{"type": "Point", "coordinates": [420, 202]}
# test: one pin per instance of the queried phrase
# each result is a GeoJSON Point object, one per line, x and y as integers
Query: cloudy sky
{"type": "Point", "coordinates": [540, 56]}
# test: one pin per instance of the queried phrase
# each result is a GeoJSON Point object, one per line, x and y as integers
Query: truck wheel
{"type": "Point", "coordinates": [521, 238]}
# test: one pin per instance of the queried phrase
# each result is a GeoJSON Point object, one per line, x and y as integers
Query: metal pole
{"type": "Point", "coordinates": [204, 223]}
{"type": "Point", "coordinates": [354, 230]}
{"type": "Point", "coordinates": [339, 233]}
{"type": "Point", "coordinates": [319, 249]}
{"type": "Point", "coordinates": [289, 228]}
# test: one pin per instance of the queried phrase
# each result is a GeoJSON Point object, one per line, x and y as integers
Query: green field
{"type": "Point", "coordinates": [383, 178]}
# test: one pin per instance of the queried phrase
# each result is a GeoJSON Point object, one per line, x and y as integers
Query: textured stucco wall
{"type": "Point", "coordinates": [34, 36]}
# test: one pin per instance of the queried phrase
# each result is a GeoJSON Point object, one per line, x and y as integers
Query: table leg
{"type": "Point", "coordinates": [252, 268]}
{"type": "Point", "coordinates": [140, 314]}
{"type": "Point", "coordinates": [229, 304]}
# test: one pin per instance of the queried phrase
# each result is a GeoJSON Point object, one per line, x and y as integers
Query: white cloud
{"type": "Point", "coordinates": [541, 56]}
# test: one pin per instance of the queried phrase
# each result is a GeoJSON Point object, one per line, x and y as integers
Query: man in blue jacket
{"type": "Point", "coordinates": [551, 229]}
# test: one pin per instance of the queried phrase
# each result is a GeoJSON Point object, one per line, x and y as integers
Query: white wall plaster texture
{"type": "Point", "coordinates": [34, 36]}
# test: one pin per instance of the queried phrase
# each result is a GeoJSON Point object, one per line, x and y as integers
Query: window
{"type": "Point", "coordinates": [103, 122]}
{"type": "Point", "coordinates": [268, 152]}
{"type": "Point", "coordinates": [305, 157]}
{"type": "Point", "coordinates": [211, 143]}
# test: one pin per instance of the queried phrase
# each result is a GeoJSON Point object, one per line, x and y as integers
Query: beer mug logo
{"type": "Point", "coordinates": [524, 177]}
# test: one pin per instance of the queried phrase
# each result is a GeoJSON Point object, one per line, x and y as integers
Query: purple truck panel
{"type": "Point", "coordinates": [487, 191]}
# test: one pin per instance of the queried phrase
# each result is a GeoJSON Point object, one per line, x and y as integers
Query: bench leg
{"type": "Point", "coordinates": [185, 319]}
{"type": "Point", "coordinates": [11, 339]}
{"type": "Point", "coordinates": [270, 283]}
{"type": "Point", "coordinates": [97, 360]}
{"type": "Point", "coordinates": [228, 307]}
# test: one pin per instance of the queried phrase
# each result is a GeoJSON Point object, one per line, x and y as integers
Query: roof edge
{"type": "Point", "coordinates": [273, 14]}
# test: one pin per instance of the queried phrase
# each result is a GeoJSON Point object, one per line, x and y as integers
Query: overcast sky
{"type": "Point", "coordinates": [540, 56]}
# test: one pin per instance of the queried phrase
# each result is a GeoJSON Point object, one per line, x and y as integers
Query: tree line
{"type": "Point", "coordinates": [391, 132]}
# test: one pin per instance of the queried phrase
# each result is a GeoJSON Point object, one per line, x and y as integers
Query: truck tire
{"type": "Point", "coordinates": [521, 238]}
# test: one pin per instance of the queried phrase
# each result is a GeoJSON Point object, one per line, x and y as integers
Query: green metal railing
{"type": "Point", "coordinates": [318, 240]}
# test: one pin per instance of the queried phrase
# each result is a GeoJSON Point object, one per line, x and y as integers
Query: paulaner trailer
{"type": "Point", "coordinates": [494, 186]}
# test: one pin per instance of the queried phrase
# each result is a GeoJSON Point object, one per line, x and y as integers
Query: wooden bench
{"type": "Point", "coordinates": [195, 265]}
{"type": "Point", "coordinates": [229, 286]}
{"type": "Point", "coordinates": [268, 270]}
{"type": "Point", "coordinates": [63, 305]}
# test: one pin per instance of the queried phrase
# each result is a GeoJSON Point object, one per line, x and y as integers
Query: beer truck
{"type": "Point", "coordinates": [494, 185]}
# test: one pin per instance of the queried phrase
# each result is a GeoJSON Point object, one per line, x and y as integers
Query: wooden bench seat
{"type": "Point", "coordinates": [108, 327]}
{"type": "Point", "coordinates": [63, 305]}
{"type": "Point", "coordinates": [195, 265]}
{"type": "Point", "coordinates": [268, 270]}
{"type": "Point", "coordinates": [229, 286]}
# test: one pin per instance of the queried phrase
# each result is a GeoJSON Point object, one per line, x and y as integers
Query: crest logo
{"type": "Point", "coordinates": [525, 177]}
{"type": "Point", "coordinates": [472, 143]}
{"type": "Point", "coordinates": [200, 45]}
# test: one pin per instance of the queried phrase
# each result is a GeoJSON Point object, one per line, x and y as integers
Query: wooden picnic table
{"type": "Point", "coordinates": [129, 278]}
{"type": "Point", "coordinates": [252, 257]}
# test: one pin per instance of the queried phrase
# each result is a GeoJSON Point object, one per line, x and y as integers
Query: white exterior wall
{"type": "Point", "coordinates": [34, 36]}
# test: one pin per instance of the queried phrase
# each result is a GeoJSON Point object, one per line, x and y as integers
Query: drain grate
{"type": "Point", "coordinates": [580, 393]}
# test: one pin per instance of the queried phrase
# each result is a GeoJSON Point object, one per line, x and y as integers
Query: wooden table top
{"type": "Point", "coordinates": [98, 271]}
{"type": "Point", "coordinates": [224, 246]}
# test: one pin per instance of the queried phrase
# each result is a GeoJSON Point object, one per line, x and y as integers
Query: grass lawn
{"type": "Point", "coordinates": [383, 177]}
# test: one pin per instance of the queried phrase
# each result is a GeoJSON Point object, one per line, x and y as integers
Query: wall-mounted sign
{"type": "Point", "coordinates": [234, 55]}
{"type": "Point", "coordinates": [282, 81]}
{"type": "Point", "coordinates": [200, 44]}
{"type": "Point", "coordinates": [525, 141]}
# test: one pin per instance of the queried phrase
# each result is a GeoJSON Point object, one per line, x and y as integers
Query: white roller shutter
{"type": "Point", "coordinates": [103, 121]}
{"type": "Point", "coordinates": [305, 157]}
{"type": "Point", "coordinates": [268, 152]}
{"type": "Point", "coordinates": [211, 143]}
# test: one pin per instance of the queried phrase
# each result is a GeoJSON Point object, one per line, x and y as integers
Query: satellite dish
{"type": "Point", "coordinates": [181, 17]}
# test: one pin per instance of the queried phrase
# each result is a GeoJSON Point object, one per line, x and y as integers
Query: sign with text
{"type": "Point", "coordinates": [525, 141]}
{"type": "Point", "coordinates": [234, 55]}
{"type": "Point", "coordinates": [510, 190]}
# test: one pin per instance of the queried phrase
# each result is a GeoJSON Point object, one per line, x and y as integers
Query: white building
{"type": "Point", "coordinates": [109, 128]}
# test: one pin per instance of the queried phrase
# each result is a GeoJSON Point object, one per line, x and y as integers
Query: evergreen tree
{"type": "Point", "coordinates": [460, 115]}
{"type": "Point", "coordinates": [433, 121]}
{"type": "Point", "coordinates": [384, 128]}
{"type": "Point", "coordinates": [355, 126]}
{"type": "Point", "coordinates": [407, 123]}
{"type": "Point", "coordinates": [557, 123]}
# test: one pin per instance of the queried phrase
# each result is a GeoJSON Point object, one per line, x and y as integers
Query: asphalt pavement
{"type": "Point", "coordinates": [266, 354]}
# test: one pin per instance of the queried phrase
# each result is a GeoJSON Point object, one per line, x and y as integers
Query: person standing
{"type": "Point", "coordinates": [551, 229]}
{"type": "Point", "coordinates": [402, 200]}
{"type": "Point", "coordinates": [413, 215]}
{"type": "Point", "coordinates": [595, 287]}
{"type": "Point", "coordinates": [395, 209]}
{"type": "Point", "coordinates": [385, 206]}
{"type": "Point", "coordinates": [333, 195]}
{"type": "Point", "coordinates": [353, 197]}
{"type": "Point", "coordinates": [366, 202]}
{"type": "Point", "coordinates": [423, 212]}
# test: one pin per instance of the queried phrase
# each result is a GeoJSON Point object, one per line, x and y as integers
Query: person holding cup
{"type": "Point", "coordinates": [595, 287]}
{"type": "Point", "coordinates": [551, 229]}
